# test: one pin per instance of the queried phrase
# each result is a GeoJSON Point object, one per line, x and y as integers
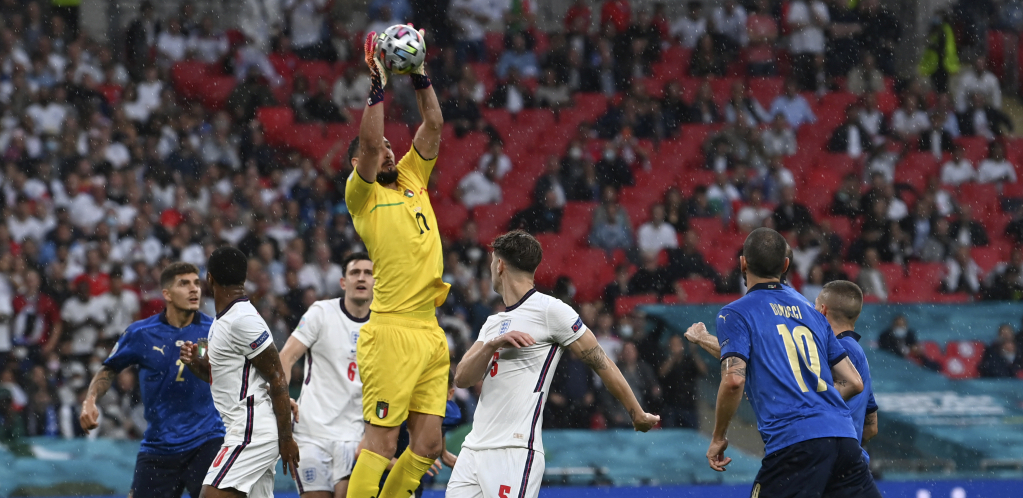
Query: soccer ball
{"type": "Point", "coordinates": [401, 48]}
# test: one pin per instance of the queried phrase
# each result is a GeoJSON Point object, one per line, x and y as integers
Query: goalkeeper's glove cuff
{"type": "Point", "coordinates": [421, 81]}
{"type": "Point", "coordinates": [376, 93]}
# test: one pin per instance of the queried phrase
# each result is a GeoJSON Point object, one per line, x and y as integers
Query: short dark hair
{"type": "Point", "coordinates": [353, 149]}
{"type": "Point", "coordinates": [355, 256]}
{"type": "Point", "coordinates": [519, 249]}
{"type": "Point", "coordinates": [844, 298]}
{"type": "Point", "coordinates": [788, 254]}
{"type": "Point", "coordinates": [228, 265]}
{"type": "Point", "coordinates": [170, 273]}
{"type": "Point", "coordinates": [764, 251]}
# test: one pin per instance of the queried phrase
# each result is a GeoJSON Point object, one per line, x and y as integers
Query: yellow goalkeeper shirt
{"type": "Point", "coordinates": [399, 229]}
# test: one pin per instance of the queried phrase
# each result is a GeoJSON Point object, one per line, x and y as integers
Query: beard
{"type": "Point", "coordinates": [387, 177]}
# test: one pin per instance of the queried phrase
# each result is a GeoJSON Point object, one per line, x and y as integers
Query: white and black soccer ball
{"type": "Point", "coordinates": [401, 49]}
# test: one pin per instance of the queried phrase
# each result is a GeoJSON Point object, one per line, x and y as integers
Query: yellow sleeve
{"type": "Point", "coordinates": [358, 194]}
{"type": "Point", "coordinates": [417, 168]}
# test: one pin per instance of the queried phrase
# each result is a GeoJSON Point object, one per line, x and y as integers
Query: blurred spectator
{"type": "Point", "coordinates": [679, 374]}
{"type": "Point", "coordinates": [306, 22]}
{"type": "Point", "coordinates": [843, 42]}
{"type": "Point", "coordinates": [753, 214]}
{"type": "Point", "coordinates": [351, 89]}
{"type": "Point", "coordinates": [791, 104]}
{"type": "Point", "coordinates": [655, 235]}
{"type": "Point", "coordinates": [806, 22]}
{"type": "Point", "coordinates": [687, 261]}
{"type": "Point", "coordinates": [578, 11]}
{"type": "Point", "coordinates": [728, 24]}
{"type": "Point", "coordinates": [762, 32]}
{"type": "Point", "coordinates": [650, 278]}
{"type": "Point", "coordinates": [675, 209]}
{"type": "Point", "coordinates": [850, 137]}
{"type": "Point", "coordinates": [471, 18]}
{"type": "Point", "coordinates": [975, 79]}
{"type": "Point", "coordinates": [873, 120]}
{"type": "Point", "coordinates": [511, 95]}
{"type": "Point", "coordinates": [610, 228]}
{"type": "Point", "coordinates": [871, 280]}
{"type": "Point", "coordinates": [690, 28]}
{"type": "Point", "coordinates": [909, 121]}
{"type": "Point", "coordinates": [940, 59]}
{"type": "Point", "coordinates": [141, 37]}
{"type": "Point", "coordinates": [898, 338]}
{"type": "Point", "coordinates": [553, 94]}
{"type": "Point", "coordinates": [571, 400]}
{"type": "Point", "coordinates": [322, 275]}
{"type": "Point", "coordinates": [321, 108]}
{"type": "Point", "coordinates": [617, 13]}
{"type": "Point", "coordinates": [939, 242]}
{"type": "Point", "coordinates": [550, 181]}
{"type": "Point", "coordinates": [791, 215]}
{"type": "Point", "coordinates": [618, 287]}
{"type": "Point", "coordinates": [967, 231]}
{"type": "Point", "coordinates": [119, 307]}
{"type": "Point", "coordinates": [981, 120]}
{"type": "Point", "coordinates": [814, 283]}
{"type": "Point", "coordinates": [779, 139]}
{"type": "Point", "coordinates": [961, 273]}
{"type": "Point", "coordinates": [518, 58]}
{"type": "Point", "coordinates": [1000, 357]}
{"type": "Point", "coordinates": [83, 318]}
{"type": "Point", "coordinates": [540, 217]}
{"type": "Point", "coordinates": [641, 379]}
{"type": "Point", "coordinates": [1005, 281]}
{"type": "Point", "coordinates": [480, 187]}
{"type": "Point", "coordinates": [741, 103]}
{"type": "Point", "coordinates": [207, 44]}
{"type": "Point", "coordinates": [37, 318]}
{"type": "Point", "coordinates": [463, 112]}
{"type": "Point", "coordinates": [881, 33]}
{"type": "Point", "coordinates": [935, 139]}
{"type": "Point", "coordinates": [612, 170]}
{"type": "Point", "coordinates": [996, 168]}
{"type": "Point", "coordinates": [495, 155]}
{"type": "Point", "coordinates": [171, 45]}
{"type": "Point", "coordinates": [865, 77]}
{"type": "Point", "coordinates": [707, 59]}
{"type": "Point", "coordinates": [703, 110]}
{"type": "Point", "coordinates": [958, 169]}
{"type": "Point", "coordinates": [1014, 230]}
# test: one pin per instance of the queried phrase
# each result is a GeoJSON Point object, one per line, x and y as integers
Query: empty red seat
{"type": "Point", "coordinates": [575, 221]}
{"type": "Point", "coordinates": [766, 89]}
{"type": "Point", "coordinates": [215, 91]}
{"type": "Point", "coordinates": [987, 257]}
{"type": "Point", "coordinates": [698, 290]}
{"type": "Point", "coordinates": [926, 274]}
{"type": "Point", "coordinates": [625, 305]}
{"type": "Point", "coordinates": [974, 148]}
{"type": "Point", "coordinates": [492, 220]}
{"type": "Point", "coordinates": [274, 118]}
{"type": "Point", "coordinates": [315, 71]}
{"type": "Point", "coordinates": [932, 351]}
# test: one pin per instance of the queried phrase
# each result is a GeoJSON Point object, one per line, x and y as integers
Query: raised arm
{"type": "Point", "coordinates": [372, 149]}
{"type": "Point", "coordinates": [97, 388]}
{"type": "Point", "coordinates": [590, 352]}
{"type": "Point", "coordinates": [427, 140]}
{"type": "Point", "coordinates": [476, 362]}
{"type": "Point", "coordinates": [847, 379]}
{"type": "Point", "coordinates": [268, 364]}
{"type": "Point", "coordinates": [293, 350]}
{"type": "Point", "coordinates": [698, 334]}
{"type": "Point", "coordinates": [733, 381]}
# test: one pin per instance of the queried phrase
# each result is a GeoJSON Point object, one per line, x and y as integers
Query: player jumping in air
{"type": "Point", "coordinates": [503, 455]}
{"type": "Point", "coordinates": [185, 431]}
{"type": "Point", "coordinates": [329, 426]}
{"type": "Point", "coordinates": [799, 377]}
{"type": "Point", "coordinates": [249, 390]}
{"type": "Point", "coordinates": [402, 351]}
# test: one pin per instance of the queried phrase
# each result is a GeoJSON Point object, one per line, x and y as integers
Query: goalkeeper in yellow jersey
{"type": "Point", "coordinates": [402, 353]}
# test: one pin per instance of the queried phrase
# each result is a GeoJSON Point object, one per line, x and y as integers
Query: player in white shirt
{"type": "Point", "coordinates": [330, 425]}
{"type": "Point", "coordinates": [502, 457]}
{"type": "Point", "coordinates": [248, 385]}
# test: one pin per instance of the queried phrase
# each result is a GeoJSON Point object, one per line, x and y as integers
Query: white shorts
{"type": "Point", "coordinates": [502, 473]}
{"type": "Point", "coordinates": [322, 463]}
{"type": "Point", "coordinates": [248, 468]}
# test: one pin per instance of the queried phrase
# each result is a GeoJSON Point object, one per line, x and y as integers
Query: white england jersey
{"type": "Point", "coordinates": [330, 406]}
{"type": "Point", "coordinates": [515, 387]}
{"type": "Point", "coordinates": [239, 391]}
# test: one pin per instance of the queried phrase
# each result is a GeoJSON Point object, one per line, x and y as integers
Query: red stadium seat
{"type": "Point", "coordinates": [492, 220]}
{"type": "Point", "coordinates": [625, 305]}
{"type": "Point", "coordinates": [698, 290]}
{"type": "Point", "coordinates": [932, 351]}
{"type": "Point", "coordinates": [968, 349]}
{"type": "Point", "coordinates": [974, 148]}
{"type": "Point", "coordinates": [450, 217]}
{"type": "Point", "coordinates": [957, 368]}
{"type": "Point", "coordinates": [575, 221]}
{"type": "Point", "coordinates": [315, 71]}
{"type": "Point", "coordinates": [987, 257]}
{"type": "Point", "coordinates": [765, 90]}
{"type": "Point", "coordinates": [215, 91]}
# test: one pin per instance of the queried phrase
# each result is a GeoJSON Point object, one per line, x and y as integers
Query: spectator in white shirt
{"type": "Point", "coordinates": [655, 235]}
{"type": "Point", "coordinates": [351, 90]}
{"type": "Point", "coordinates": [729, 23]}
{"type": "Point", "coordinates": [870, 279]}
{"type": "Point", "coordinates": [977, 79]}
{"type": "Point", "coordinates": [996, 168]}
{"type": "Point", "coordinates": [323, 275]}
{"type": "Point", "coordinates": [82, 319]}
{"type": "Point", "coordinates": [206, 44]}
{"type": "Point", "coordinates": [909, 120]}
{"type": "Point", "coordinates": [171, 45]}
{"type": "Point", "coordinates": [962, 274]}
{"type": "Point", "coordinates": [23, 225]}
{"type": "Point", "coordinates": [958, 170]}
{"type": "Point", "coordinates": [806, 22]}
{"type": "Point", "coordinates": [307, 24]}
{"type": "Point", "coordinates": [753, 214]}
{"type": "Point", "coordinates": [691, 27]}
{"type": "Point", "coordinates": [149, 90]}
{"type": "Point", "coordinates": [503, 162]}
{"type": "Point", "coordinates": [480, 186]}
{"type": "Point", "coordinates": [47, 114]}
{"type": "Point", "coordinates": [119, 306]}
{"type": "Point", "coordinates": [472, 17]}
{"type": "Point", "coordinates": [779, 139]}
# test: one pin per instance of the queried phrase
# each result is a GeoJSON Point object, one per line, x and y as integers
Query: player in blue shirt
{"type": "Point", "coordinates": [841, 302]}
{"type": "Point", "coordinates": [184, 430]}
{"type": "Point", "coordinates": [772, 339]}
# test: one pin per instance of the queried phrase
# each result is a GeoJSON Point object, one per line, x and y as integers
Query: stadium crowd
{"type": "Point", "coordinates": [108, 174]}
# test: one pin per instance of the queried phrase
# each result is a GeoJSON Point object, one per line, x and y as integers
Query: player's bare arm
{"type": "Point", "coordinates": [698, 334]}
{"type": "Point", "coordinates": [847, 380]}
{"type": "Point", "coordinates": [588, 350]}
{"type": "Point", "coordinates": [476, 362]}
{"type": "Point", "coordinates": [869, 426]}
{"type": "Point", "coordinates": [733, 381]}
{"type": "Point", "coordinates": [293, 350]}
{"type": "Point", "coordinates": [427, 139]}
{"type": "Point", "coordinates": [89, 419]}
{"type": "Point", "coordinates": [268, 364]}
{"type": "Point", "coordinates": [200, 367]}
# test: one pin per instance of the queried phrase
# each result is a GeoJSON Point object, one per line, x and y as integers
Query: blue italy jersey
{"type": "Point", "coordinates": [179, 406]}
{"type": "Point", "coordinates": [863, 403]}
{"type": "Point", "coordinates": [789, 349]}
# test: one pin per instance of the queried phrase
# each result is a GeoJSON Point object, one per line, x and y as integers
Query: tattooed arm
{"type": "Point", "coordinates": [869, 426]}
{"type": "Point", "coordinates": [847, 379]}
{"type": "Point", "coordinates": [590, 352]}
{"type": "Point", "coordinates": [733, 381]}
{"type": "Point", "coordinates": [97, 388]}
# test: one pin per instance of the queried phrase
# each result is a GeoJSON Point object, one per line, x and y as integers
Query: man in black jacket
{"type": "Point", "coordinates": [850, 137]}
{"type": "Point", "coordinates": [968, 231]}
{"type": "Point", "coordinates": [1000, 358]}
{"type": "Point", "coordinates": [790, 215]}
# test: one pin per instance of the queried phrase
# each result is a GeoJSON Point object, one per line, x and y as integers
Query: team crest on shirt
{"type": "Point", "coordinates": [113, 351]}
{"type": "Point", "coordinates": [382, 407]}
{"type": "Point", "coordinates": [355, 340]}
{"type": "Point", "coordinates": [505, 325]}
{"type": "Point", "coordinates": [309, 475]}
{"type": "Point", "coordinates": [409, 193]}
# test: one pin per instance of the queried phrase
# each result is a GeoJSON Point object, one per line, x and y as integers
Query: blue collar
{"type": "Point", "coordinates": [849, 333]}
{"type": "Point", "coordinates": [163, 318]}
{"type": "Point", "coordinates": [767, 286]}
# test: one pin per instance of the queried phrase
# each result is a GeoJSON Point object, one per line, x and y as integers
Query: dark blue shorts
{"type": "Point", "coordinates": [831, 467]}
{"type": "Point", "coordinates": [167, 476]}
